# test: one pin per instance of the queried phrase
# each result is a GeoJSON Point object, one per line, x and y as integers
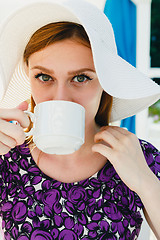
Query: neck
{"type": "Point", "coordinates": [76, 166]}
{"type": "Point", "coordinates": [85, 149]}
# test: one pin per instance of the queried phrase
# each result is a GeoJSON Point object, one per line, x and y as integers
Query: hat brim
{"type": "Point", "coordinates": [131, 90]}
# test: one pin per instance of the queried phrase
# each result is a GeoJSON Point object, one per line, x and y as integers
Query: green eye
{"type": "Point", "coordinates": [81, 78]}
{"type": "Point", "coordinates": [43, 77]}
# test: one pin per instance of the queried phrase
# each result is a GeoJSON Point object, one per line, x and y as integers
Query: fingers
{"type": "Point", "coordinates": [7, 144]}
{"type": "Point", "coordinates": [23, 106]}
{"type": "Point", "coordinates": [4, 149]}
{"type": "Point", "coordinates": [12, 131]}
{"type": "Point", "coordinates": [106, 137]}
{"type": "Point", "coordinates": [103, 150]}
{"type": "Point", "coordinates": [114, 138]}
{"type": "Point", "coordinates": [116, 129]}
{"type": "Point", "coordinates": [15, 114]}
{"type": "Point", "coordinates": [113, 134]}
{"type": "Point", "coordinates": [8, 141]}
{"type": "Point", "coordinates": [109, 135]}
{"type": "Point", "coordinates": [12, 135]}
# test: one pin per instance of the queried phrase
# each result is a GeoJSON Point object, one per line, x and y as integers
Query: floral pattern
{"type": "Point", "coordinates": [34, 206]}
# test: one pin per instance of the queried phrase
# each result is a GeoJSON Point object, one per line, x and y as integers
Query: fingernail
{"type": "Point", "coordinates": [15, 122]}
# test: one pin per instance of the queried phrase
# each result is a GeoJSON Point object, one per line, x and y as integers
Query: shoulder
{"type": "Point", "coordinates": [152, 156]}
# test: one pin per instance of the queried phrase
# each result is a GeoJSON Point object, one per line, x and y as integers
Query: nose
{"type": "Point", "coordinates": [62, 92]}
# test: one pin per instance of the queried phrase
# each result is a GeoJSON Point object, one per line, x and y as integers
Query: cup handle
{"type": "Point", "coordinates": [31, 115]}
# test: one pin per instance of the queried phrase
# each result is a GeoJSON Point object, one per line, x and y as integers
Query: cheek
{"type": "Point", "coordinates": [91, 101]}
{"type": "Point", "coordinates": [37, 92]}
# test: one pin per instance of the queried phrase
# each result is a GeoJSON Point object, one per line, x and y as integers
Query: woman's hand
{"type": "Point", "coordinates": [123, 150]}
{"type": "Point", "coordinates": [12, 135]}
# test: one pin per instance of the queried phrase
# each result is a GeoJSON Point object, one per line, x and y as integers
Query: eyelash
{"type": "Point", "coordinates": [41, 74]}
{"type": "Point", "coordinates": [78, 75]}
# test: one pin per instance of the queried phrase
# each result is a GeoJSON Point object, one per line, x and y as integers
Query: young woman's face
{"type": "Point", "coordinates": [65, 71]}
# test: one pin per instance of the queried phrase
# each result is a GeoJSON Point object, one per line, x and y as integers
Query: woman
{"type": "Point", "coordinates": [98, 191]}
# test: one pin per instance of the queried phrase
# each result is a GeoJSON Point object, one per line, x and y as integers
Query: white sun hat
{"type": "Point", "coordinates": [132, 91]}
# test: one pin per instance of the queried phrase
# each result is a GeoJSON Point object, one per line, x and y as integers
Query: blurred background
{"type": "Point", "coordinates": [136, 24]}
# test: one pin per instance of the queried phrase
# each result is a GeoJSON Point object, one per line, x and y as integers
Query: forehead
{"type": "Point", "coordinates": [65, 51]}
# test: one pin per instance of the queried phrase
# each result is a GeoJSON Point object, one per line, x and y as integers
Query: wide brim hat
{"type": "Point", "coordinates": [132, 91]}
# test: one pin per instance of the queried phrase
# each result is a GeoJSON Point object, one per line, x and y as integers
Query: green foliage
{"type": "Point", "coordinates": [154, 111]}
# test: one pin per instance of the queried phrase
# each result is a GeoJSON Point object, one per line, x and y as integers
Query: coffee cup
{"type": "Point", "coordinates": [58, 126]}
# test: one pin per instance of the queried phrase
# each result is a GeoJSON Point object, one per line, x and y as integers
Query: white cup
{"type": "Point", "coordinates": [58, 126]}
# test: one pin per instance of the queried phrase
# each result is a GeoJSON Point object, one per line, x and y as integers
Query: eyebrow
{"type": "Point", "coordinates": [49, 71]}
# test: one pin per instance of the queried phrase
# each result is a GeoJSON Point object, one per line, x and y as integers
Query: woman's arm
{"type": "Point", "coordinates": [150, 224]}
{"type": "Point", "coordinates": [124, 151]}
{"type": "Point", "coordinates": [150, 196]}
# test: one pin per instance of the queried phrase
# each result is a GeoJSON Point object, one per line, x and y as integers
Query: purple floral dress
{"type": "Point", "coordinates": [34, 206]}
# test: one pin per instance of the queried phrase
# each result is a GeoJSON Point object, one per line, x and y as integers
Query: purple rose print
{"type": "Point", "coordinates": [69, 223]}
{"type": "Point", "coordinates": [48, 211]}
{"type": "Point", "coordinates": [97, 193]}
{"type": "Point", "coordinates": [27, 227]}
{"type": "Point", "coordinates": [23, 149]}
{"type": "Point", "coordinates": [108, 237]}
{"type": "Point", "coordinates": [14, 167]}
{"type": "Point", "coordinates": [37, 207]}
{"type": "Point", "coordinates": [107, 194]}
{"type": "Point", "coordinates": [36, 222]}
{"type": "Point", "coordinates": [54, 233]}
{"type": "Point", "coordinates": [15, 155]}
{"type": "Point", "coordinates": [31, 214]}
{"type": "Point", "coordinates": [39, 196]}
{"type": "Point", "coordinates": [113, 212]}
{"type": "Point", "coordinates": [57, 208]}
{"type": "Point", "coordinates": [50, 197]}
{"type": "Point", "coordinates": [7, 236]}
{"type": "Point", "coordinates": [38, 211]}
{"type": "Point", "coordinates": [93, 227]}
{"type": "Point", "coordinates": [41, 235]}
{"type": "Point", "coordinates": [78, 229]}
{"type": "Point", "coordinates": [157, 165]}
{"type": "Point", "coordinates": [19, 212]}
{"type": "Point", "coordinates": [58, 221]}
{"type": "Point", "coordinates": [15, 232]}
{"type": "Point", "coordinates": [24, 164]}
{"type": "Point", "coordinates": [29, 190]}
{"type": "Point", "coordinates": [36, 180]}
{"type": "Point", "coordinates": [96, 217]}
{"type": "Point", "coordinates": [25, 179]}
{"type": "Point", "coordinates": [46, 185]}
{"type": "Point", "coordinates": [82, 218]}
{"type": "Point", "coordinates": [95, 183]}
{"type": "Point", "coordinates": [30, 201]}
{"type": "Point", "coordinates": [7, 207]}
{"type": "Point", "coordinates": [22, 238]}
{"type": "Point", "coordinates": [76, 194]}
{"type": "Point", "coordinates": [118, 227]}
{"type": "Point", "coordinates": [67, 235]}
{"type": "Point", "coordinates": [34, 170]}
{"type": "Point", "coordinates": [106, 173]}
{"type": "Point", "coordinates": [70, 207]}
